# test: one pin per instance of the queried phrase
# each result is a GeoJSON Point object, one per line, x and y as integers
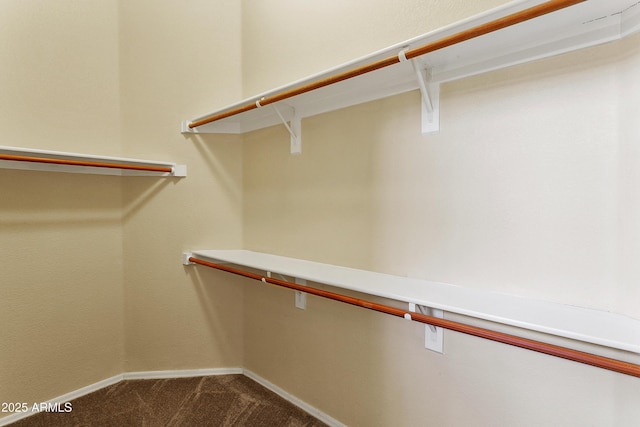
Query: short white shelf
{"type": "Point", "coordinates": [578, 323]}
{"type": "Point", "coordinates": [582, 25]}
{"type": "Point", "coordinates": [58, 161]}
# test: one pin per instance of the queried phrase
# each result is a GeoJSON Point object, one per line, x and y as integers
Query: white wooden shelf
{"type": "Point", "coordinates": [585, 24]}
{"type": "Point", "coordinates": [58, 161]}
{"type": "Point", "coordinates": [578, 323]}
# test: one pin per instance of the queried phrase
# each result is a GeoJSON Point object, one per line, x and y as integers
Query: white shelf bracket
{"type": "Point", "coordinates": [433, 335]}
{"type": "Point", "coordinates": [301, 297]}
{"type": "Point", "coordinates": [295, 130]}
{"type": "Point", "coordinates": [430, 92]}
{"type": "Point", "coordinates": [430, 100]}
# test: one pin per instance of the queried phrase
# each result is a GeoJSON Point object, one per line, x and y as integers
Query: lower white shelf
{"type": "Point", "coordinates": [583, 324]}
{"type": "Point", "coordinates": [58, 161]}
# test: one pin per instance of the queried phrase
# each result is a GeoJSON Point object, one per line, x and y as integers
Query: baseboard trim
{"type": "Point", "coordinates": [186, 373]}
{"type": "Point", "coordinates": [294, 400]}
{"type": "Point", "coordinates": [142, 375]}
{"type": "Point", "coordinates": [126, 376]}
{"type": "Point", "coordinates": [64, 398]}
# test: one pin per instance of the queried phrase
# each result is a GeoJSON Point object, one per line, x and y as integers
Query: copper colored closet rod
{"type": "Point", "coordinates": [538, 346]}
{"type": "Point", "coordinates": [480, 30]}
{"type": "Point", "coordinates": [84, 163]}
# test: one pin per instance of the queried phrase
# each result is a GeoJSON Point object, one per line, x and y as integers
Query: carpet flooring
{"type": "Point", "coordinates": [226, 400]}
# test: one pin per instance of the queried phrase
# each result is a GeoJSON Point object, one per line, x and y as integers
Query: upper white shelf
{"type": "Point", "coordinates": [582, 25]}
{"type": "Point", "coordinates": [57, 161]}
{"type": "Point", "coordinates": [583, 324]}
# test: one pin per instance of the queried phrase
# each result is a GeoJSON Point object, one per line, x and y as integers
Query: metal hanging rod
{"type": "Point", "coordinates": [164, 169]}
{"type": "Point", "coordinates": [480, 30]}
{"type": "Point", "coordinates": [538, 346]}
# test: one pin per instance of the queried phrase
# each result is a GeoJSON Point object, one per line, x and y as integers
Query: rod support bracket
{"type": "Point", "coordinates": [430, 92]}
{"type": "Point", "coordinates": [433, 335]}
{"type": "Point", "coordinates": [301, 297]}
{"type": "Point", "coordinates": [179, 171]}
{"type": "Point", "coordinates": [184, 127]}
{"type": "Point", "coordinates": [185, 258]}
{"type": "Point", "coordinates": [293, 126]}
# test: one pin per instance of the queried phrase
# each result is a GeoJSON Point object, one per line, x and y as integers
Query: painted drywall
{"type": "Point", "coordinates": [91, 280]}
{"type": "Point", "coordinates": [628, 291]}
{"type": "Point", "coordinates": [177, 59]}
{"type": "Point", "coordinates": [285, 40]}
{"type": "Point", "coordinates": [60, 234]}
{"type": "Point", "coordinates": [92, 284]}
{"type": "Point", "coordinates": [530, 188]}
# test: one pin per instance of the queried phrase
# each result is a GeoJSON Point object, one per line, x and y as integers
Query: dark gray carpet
{"type": "Point", "coordinates": [226, 400]}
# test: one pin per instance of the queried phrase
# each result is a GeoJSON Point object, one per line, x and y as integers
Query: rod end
{"type": "Point", "coordinates": [186, 256]}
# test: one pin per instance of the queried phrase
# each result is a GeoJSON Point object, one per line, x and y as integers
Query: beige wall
{"type": "Point", "coordinates": [92, 285]}
{"type": "Point", "coordinates": [285, 40]}
{"type": "Point", "coordinates": [529, 188]}
{"type": "Point", "coordinates": [543, 204]}
{"type": "Point", "coordinates": [60, 234]}
{"type": "Point", "coordinates": [628, 231]}
{"type": "Point", "coordinates": [177, 59]}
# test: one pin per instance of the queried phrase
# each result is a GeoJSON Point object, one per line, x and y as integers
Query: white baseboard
{"type": "Point", "coordinates": [126, 376]}
{"type": "Point", "coordinates": [294, 400]}
{"type": "Point", "coordinates": [64, 398]}
{"type": "Point", "coordinates": [185, 373]}
{"type": "Point", "coordinates": [178, 374]}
